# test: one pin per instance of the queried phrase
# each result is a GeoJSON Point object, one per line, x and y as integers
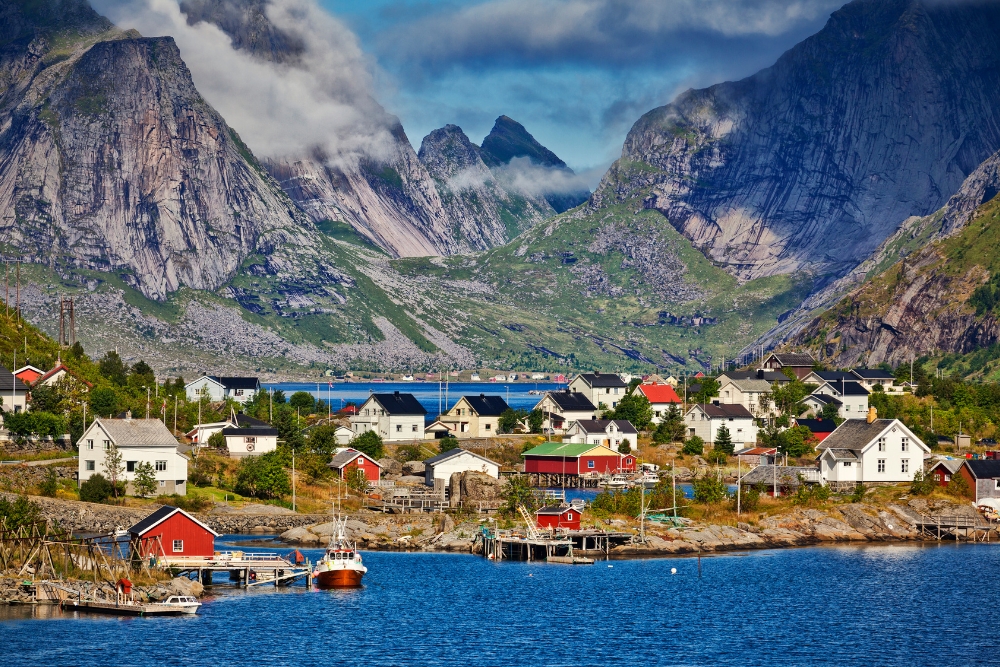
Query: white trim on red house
{"type": "Point", "coordinates": [176, 510]}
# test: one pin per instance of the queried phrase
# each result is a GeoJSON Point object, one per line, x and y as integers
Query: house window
{"type": "Point", "coordinates": [399, 428]}
{"type": "Point", "coordinates": [947, 477]}
{"type": "Point", "coordinates": [161, 466]}
{"type": "Point", "coordinates": [178, 546]}
{"type": "Point", "coordinates": [569, 516]}
{"type": "Point", "coordinates": [414, 429]}
{"type": "Point", "coordinates": [250, 440]}
{"type": "Point", "coordinates": [361, 460]}
{"type": "Point", "coordinates": [881, 465]}
{"type": "Point", "coordinates": [90, 444]}
{"type": "Point", "coordinates": [239, 392]}
{"type": "Point", "coordinates": [590, 464]}
{"type": "Point", "coordinates": [130, 466]}
{"type": "Point", "coordinates": [847, 408]}
{"type": "Point", "coordinates": [997, 484]}
{"type": "Point", "coordinates": [847, 464]}
{"type": "Point", "coordinates": [881, 444]}
{"type": "Point", "coordinates": [89, 465]}
{"type": "Point", "coordinates": [906, 444]}
{"type": "Point", "coordinates": [107, 444]}
{"type": "Point", "coordinates": [163, 482]}
{"type": "Point", "coordinates": [905, 467]}
{"type": "Point", "coordinates": [487, 427]}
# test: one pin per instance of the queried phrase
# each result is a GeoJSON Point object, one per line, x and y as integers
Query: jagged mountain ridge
{"type": "Point", "coordinates": [810, 164]}
{"type": "Point", "coordinates": [111, 161]}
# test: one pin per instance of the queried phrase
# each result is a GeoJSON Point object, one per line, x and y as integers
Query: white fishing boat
{"type": "Point", "coordinates": [616, 481]}
{"type": "Point", "coordinates": [648, 479]}
{"type": "Point", "coordinates": [341, 566]}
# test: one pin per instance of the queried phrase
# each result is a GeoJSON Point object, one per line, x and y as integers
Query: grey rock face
{"type": "Point", "coordinates": [812, 163]}
{"type": "Point", "coordinates": [110, 160]}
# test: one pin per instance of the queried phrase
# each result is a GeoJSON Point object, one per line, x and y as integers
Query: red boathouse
{"type": "Point", "coordinates": [570, 458]}
{"type": "Point", "coordinates": [558, 516]}
{"type": "Point", "coordinates": [173, 533]}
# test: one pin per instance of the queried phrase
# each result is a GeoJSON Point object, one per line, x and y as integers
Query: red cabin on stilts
{"type": "Point", "coordinates": [173, 533]}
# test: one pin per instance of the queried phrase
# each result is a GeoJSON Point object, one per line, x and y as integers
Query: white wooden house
{"type": "Point", "coordinates": [600, 388]}
{"type": "Point", "coordinates": [475, 416]}
{"type": "Point", "coordinates": [218, 388]}
{"type": "Point", "coordinates": [852, 396]}
{"type": "Point", "coordinates": [395, 417]}
{"type": "Point", "coordinates": [13, 392]}
{"type": "Point", "coordinates": [661, 398]}
{"type": "Point", "coordinates": [444, 465]}
{"type": "Point", "coordinates": [608, 432]}
{"type": "Point", "coordinates": [870, 451]}
{"type": "Point", "coordinates": [561, 408]}
{"type": "Point", "coordinates": [705, 420]}
{"type": "Point", "coordinates": [138, 441]}
{"type": "Point", "coordinates": [752, 393]}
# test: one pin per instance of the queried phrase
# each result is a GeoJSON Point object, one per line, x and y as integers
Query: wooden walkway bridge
{"type": "Point", "coordinates": [958, 528]}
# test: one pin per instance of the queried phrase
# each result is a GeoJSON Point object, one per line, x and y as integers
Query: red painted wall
{"type": "Point", "coordinates": [371, 469]}
{"type": "Point", "coordinates": [197, 540]}
{"type": "Point", "coordinates": [939, 470]}
{"type": "Point", "coordinates": [554, 465]}
{"type": "Point", "coordinates": [569, 519]}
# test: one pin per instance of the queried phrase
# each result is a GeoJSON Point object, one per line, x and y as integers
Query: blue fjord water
{"type": "Point", "coordinates": [851, 605]}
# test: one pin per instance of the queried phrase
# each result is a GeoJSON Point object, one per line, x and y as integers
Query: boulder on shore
{"type": "Point", "coordinates": [390, 466]}
{"type": "Point", "coordinates": [185, 586]}
{"type": "Point", "coordinates": [413, 468]}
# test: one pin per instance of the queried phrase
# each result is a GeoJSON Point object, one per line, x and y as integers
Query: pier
{"type": "Point", "coordinates": [958, 528]}
{"type": "Point", "coordinates": [574, 546]}
{"type": "Point", "coordinates": [245, 569]}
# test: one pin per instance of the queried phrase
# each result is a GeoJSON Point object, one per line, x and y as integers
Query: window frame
{"type": "Point", "coordinates": [89, 465]}
{"type": "Point", "coordinates": [881, 466]}
{"type": "Point", "coordinates": [177, 546]}
{"type": "Point", "coordinates": [160, 466]}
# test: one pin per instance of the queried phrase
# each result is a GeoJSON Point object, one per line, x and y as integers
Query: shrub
{"type": "Point", "coordinates": [618, 502]}
{"type": "Point", "coordinates": [50, 484]}
{"type": "Point", "coordinates": [408, 453]}
{"type": "Point", "coordinates": [922, 485]}
{"type": "Point", "coordinates": [716, 456]}
{"type": "Point", "coordinates": [323, 439]}
{"type": "Point", "coordinates": [217, 440]}
{"type": "Point", "coordinates": [369, 443]}
{"type": "Point", "coordinates": [20, 513]}
{"type": "Point", "coordinates": [192, 502]}
{"type": "Point", "coordinates": [625, 447]}
{"type": "Point", "coordinates": [447, 443]}
{"type": "Point", "coordinates": [262, 477]}
{"type": "Point", "coordinates": [958, 487]}
{"type": "Point", "coordinates": [709, 489]}
{"type": "Point", "coordinates": [356, 480]}
{"type": "Point", "coordinates": [518, 492]}
{"type": "Point", "coordinates": [859, 492]}
{"type": "Point", "coordinates": [749, 499]}
{"type": "Point", "coordinates": [103, 401]}
{"type": "Point", "coordinates": [694, 445]}
{"type": "Point", "coordinates": [97, 489]}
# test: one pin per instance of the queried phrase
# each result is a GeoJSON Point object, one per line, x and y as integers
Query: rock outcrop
{"type": "Point", "coordinates": [800, 167]}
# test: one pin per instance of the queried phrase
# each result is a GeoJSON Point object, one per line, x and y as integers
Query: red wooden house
{"type": "Point", "coordinates": [173, 533]}
{"type": "Point", "coordinates": [558, 516]}
{"type": "Point", "coordinates": [349, 459]}
{"type": "Point", "coordinates": [568, 458]}
{"type": "Point", "coordinates": [942, 471]}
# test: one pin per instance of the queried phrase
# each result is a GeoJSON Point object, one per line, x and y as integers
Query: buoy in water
{"type": "Point", "coordinates": [610, 565]}
{"type": "Point", "coordinates": [673, 570]}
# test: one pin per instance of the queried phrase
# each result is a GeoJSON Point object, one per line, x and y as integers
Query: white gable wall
{"type": "Point", "coordinates": [463, 462]}
{"type": "Point", "coordinates": [169, 466]}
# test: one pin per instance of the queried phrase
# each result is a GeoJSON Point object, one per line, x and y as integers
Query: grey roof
{"type": "Point", "coordinates": [752, 384]}
{"type": "Point", "coordinates": [983, 469]}
{"type": "Point", "coordinates": [602, 380]}
{"type": "Point", "coordinates": [793, 358]}
{"type": "Point", "coordinates": [733, 410]}
{"type": "Point", "coordinates": [758, 374]}
{"type": "Point", "coordinates": [952, 465]}
{"type": "Point", "coordinates": [487, 406]}
{"type": "Point", "coordinates": [601, 425]}
{"type": "Point", "coordinates": [851, 388]}
{"type": "Point", "coordinates": [452, 453]}
{"type": "Point", "coordinates": [873, 374]}
{"type": "Point", "coordinates": [843, 454]}
{"type": "Point", "coordinates": [572, 401]}
{"type": "Point", "coordinates": [135, 432]}
{"type": "Point", "coordinates": [786, 475]}
{"type": "Point", "coordinates": [824, 398]}
{"type": "Point", "coordinates": [348, 455]}
{"type": "Point", "coordinates": [854, 434]}
{"type": "Point", "coordinates": [400, 404]}
{"type": "Point", "coordinates": [9, 382]}
{"type": "Point", "coordinates": [554, 510]}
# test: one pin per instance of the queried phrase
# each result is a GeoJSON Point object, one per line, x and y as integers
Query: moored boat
{"type": "Point", "coordinates": [341, 566]}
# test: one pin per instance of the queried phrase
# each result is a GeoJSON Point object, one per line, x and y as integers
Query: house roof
{"type": "Point", "coordinates": [434, 427]}
{"type": "Point", "coordinates": [756, 451]}
{"type": "Point", "coordinates": [452, 453]}
{"type": "Point", "coordinates": [8, 381]}
{"type": "Point", "coordinates": [874, 374]}
{"type": "Point", "coordinates": [843, 454]}
{"type": "Point", "coordinates": [236, 382]}
{"type": "Point", "coordinates": [659, 393]}
{"type": "Point", "coordinates": [726, 410]}
{"type": "Point", "coordinates": [571, 401]}
{"type": "Point", "coordinates": [555, 510]}
{"type": "Point", "coordinates": [751, 384]}
{"type": "Point", "coordinates": [856, 434]}
{"type": "Point", "coordinates": [345, 456]}
{"type": "Point", "coordinates": [852, 388]}
{"type": "Point", "coordinates": [983, 469]}
{"type": "Point", "coordinates": [824, 398]}
{"type": "Point", "coordinates": [246, 421]}
{"type": "Point", "coordinates": [137, 432]}
{"type": "Point", "coordinates": [567, 449]}
{"type": "Point", "coordinates": [29, 370]}
{"type": "Point", "coordinates": [400, 404]}
{"type": "Point", "coordinates": [830, 376]}
{"type": "Point", "coordinates": [250, 431]}
{"type": "Point", "coordinates": [602, 380]}
{"type": "Point", "coordinates": [786, 475]}
{"type": "Point", "coordinates": [951, 465]}
{"type": "Point", "coordinates": [601, 425]}
{"type": "Point", "coordinates": [793, 358]}
{"type": "Point", "coordinates": [61, 367]}
{"type": "Point", "coordinates": [758, 374]}
{"type": "Point", "coordinates": [161, 515]}
{"type": "Point", "coordinates": [817, 425]}
{"type": "Point", "coordinates": [487, 406]}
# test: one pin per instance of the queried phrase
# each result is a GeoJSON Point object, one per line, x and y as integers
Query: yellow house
{"type": "Point", "coordinates": [475, 416]}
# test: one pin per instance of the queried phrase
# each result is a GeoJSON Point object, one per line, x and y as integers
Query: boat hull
{"type": "Point", "coordinates": [339, 579]}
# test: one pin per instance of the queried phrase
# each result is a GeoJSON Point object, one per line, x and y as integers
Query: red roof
{"type": "Point", "coordinates": [659, 393]}
{"type": "Point", "coordinates": [699, 374]}
{"type": "Point", "coordinates": [759, 451]}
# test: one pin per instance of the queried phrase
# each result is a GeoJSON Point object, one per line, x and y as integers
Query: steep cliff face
{"type": "Point", "coordinates": [939, 298]}
{"type": "Point", "coordinates": [110, 160]}
{"type": "Point", "coordinates": [484, 212]}
{"type": "Point", "coordinates": [812, 163]}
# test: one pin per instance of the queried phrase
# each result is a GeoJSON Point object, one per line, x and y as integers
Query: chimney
{"type": "Point", "coordinates": [128, 414]}
{"type": "Point", "coordinates": [760, 373]}
{"type": "Point", "coordinates": [872, 414]}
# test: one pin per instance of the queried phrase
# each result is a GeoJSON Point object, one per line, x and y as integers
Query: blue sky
{"type": "Point", "coordinates": [576, 73]}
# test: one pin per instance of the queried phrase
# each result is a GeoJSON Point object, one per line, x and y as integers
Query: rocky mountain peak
{"type": "Point", "coordinates": [447, 152]}
{"type": "Point", "coordinates": [508, 140]}
{"type": "Point", "coordinates": [246, 23]}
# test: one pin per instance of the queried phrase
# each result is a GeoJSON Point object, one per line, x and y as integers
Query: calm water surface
{"type": "Point", "coordinates": [876, 605]}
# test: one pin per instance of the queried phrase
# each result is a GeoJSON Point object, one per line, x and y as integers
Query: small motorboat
{"type": "Point", "coordinates": [180, 604]}
{"type": "Point", "coordinates": [616, 481]}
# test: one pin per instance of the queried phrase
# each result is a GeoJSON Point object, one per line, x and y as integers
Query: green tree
{"type": "Point", "coordinates": [113, 369]}
{"type": "Point", "coordinates": [634, 408]}
{"type": "Point", "coordinates": [788, 398]}
{"type": "Point", "coordinates": [114, 468]}
{"type": "Point", "coordinates": [356, 480]}
{"type": "Point", "coordinates": [536, 418]}
{"type": "Point", "coordinates": [144, 483]}
{"type": "Point", "coordinates": [278, 396]}
{"type": "Point", "coordinates": [694, 445]}
{"type": "Point", "coordinates": [217, 440]}
{"type": "Point", "coordinates": [832, 412]}
{"type": "Point", "coordinates": [76, 351]}
{"type": "Point", "coordinates": [50, 484]}
{"type": "Point", "coordinates": [716, 456]}
{"type": "Point", "coordinates": [96, 489]}
{"type": "Point", "coordinates": [289, 426]}
{"type": "Point", "coordinates": [304, 401]}
{"type": "Point", "coordinates": [447, 443]}
{"type": "Point", "coordinates": [625, 447]}
{"type": "Point", "coordinates": [45, 398]}
{"type": "Point", "coordinates": [103, 401]}
{"type": "Point", "coordinates": [262, 477]}
{"type": "Point", "coordinates": [518, 492]}
{"type": "Point", "coordinates": [671, 426]}
{"type": "Point", "coordinates": [709, 489]}
{"type": "Point", "coordinates": [141, 375]}
{"type": "Point", "coordinates": [369, 443]}
{"type": "Point", "coordinates": [323, 439]}
{"type": "Point", "coordinates": [959, 487]}
{"type": "Point", "coordinates": [796, 441]}
{"type": "Point", "coordinates": [19, 513]}
{"type": "Point", "coordinates": [922, 485]}
{"type": "Point", "coordinates": [509, 420]}
{"type": "Point", "coordinates": [724, 441]}
{"type": "Point", "coordinates": [709, 390]}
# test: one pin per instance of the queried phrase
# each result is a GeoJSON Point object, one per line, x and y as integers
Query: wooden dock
{"type": "Point", "coordinates": [124, 609]}
{"type": "Point", "coordinates": [245, 569]}
{"type": "Point", "coordinates": [958, 528]}
{"type": "Point", "coordinates": [574, 547]}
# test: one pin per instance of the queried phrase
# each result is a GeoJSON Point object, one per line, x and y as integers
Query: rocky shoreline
{"type": "Point", "coordinates": [14, 591]}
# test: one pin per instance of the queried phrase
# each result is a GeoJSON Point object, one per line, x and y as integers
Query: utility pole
{"type": "Point", "coordinates": [147, 402]}
{"type": "Point", "coordinates": [293, 479]}
{"type": "Point", "coordinates": [175, 414]}
{"type": "Point", "coordinates": [911, 370]}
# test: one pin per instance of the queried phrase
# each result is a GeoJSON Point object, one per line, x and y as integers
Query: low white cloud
{"type": "Point", "coordinates": [321, 101]}
{"type": "Point", "coordinates": [521, 175]}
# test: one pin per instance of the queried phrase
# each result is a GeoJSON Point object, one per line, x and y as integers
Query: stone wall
{"type": "Point", "coordinates": [22, 479]}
